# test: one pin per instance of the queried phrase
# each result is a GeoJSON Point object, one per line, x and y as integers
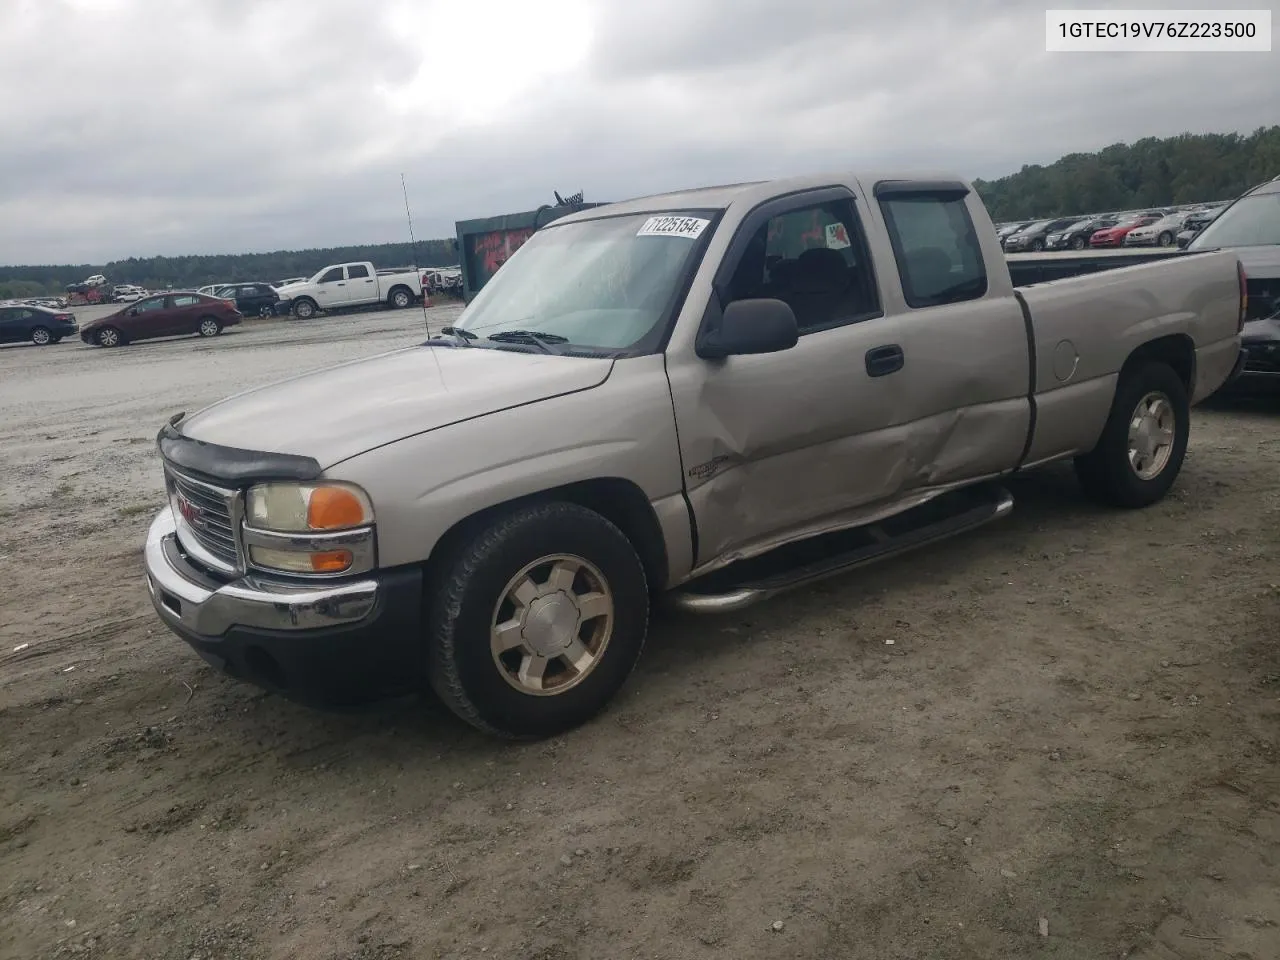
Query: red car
{"type": "Point", "coordinates": [163, 315]}
{"type": "Point", "coordinates": [1114, 236]}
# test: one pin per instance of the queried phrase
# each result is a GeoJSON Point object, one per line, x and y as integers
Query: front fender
{"type": "Point", "coordinates": [424, 485]}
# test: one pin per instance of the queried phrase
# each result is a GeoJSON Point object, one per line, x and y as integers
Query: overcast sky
{"type": "Point", "coordinates": [144, 127]}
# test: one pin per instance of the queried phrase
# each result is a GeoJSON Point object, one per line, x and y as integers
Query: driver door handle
{"type": "Point", "coordinates": [882, 361]}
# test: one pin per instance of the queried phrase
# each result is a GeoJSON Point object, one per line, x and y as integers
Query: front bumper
{"type": "Point", "coordinates": [332, 643]}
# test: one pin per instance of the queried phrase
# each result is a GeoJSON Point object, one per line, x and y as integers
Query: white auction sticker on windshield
{"type": "Point", "coordinates": [690, 227]}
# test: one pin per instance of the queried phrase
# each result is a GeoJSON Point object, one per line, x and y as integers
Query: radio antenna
{"type": "Point", "coordinates": [413, 242]}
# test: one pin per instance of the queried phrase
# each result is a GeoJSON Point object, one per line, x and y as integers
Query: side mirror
{"type": "Point", "coordinates": [751, 326]}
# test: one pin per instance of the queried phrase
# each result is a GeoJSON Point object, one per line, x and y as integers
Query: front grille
{"type": "Point", "coordinates": [206, 514]}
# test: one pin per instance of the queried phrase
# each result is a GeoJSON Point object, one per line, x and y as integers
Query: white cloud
{"type": "Point", "coordinates": [137, 127]}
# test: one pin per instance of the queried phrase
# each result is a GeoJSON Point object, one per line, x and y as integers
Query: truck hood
{"type": "Point", "coordinates": [337, 412]}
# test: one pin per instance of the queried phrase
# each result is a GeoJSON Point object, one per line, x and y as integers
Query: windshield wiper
{"type": "Point", "coordinates": [543, 341]}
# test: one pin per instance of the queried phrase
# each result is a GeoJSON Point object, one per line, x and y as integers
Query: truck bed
{"type": "Point", "coordinates": [1028, 268]}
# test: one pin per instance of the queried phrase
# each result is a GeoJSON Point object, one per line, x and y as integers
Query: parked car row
{"type": "Point", "coordinates": [1156, 227]}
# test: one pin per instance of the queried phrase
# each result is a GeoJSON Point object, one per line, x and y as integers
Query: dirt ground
{"type": "Point", "coordinates": [1064, 724]}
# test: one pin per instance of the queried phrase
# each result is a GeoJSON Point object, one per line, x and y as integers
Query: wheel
{"type": "Point", "coordinates": [304, 309]}
{"type": "Point", "coordinates": [41, 336]}
{"type": "Point", "coordinates": [1077, 243]}
{"type": "Point", "coordinates": [537, 621]}
{"type": "Point", "coordinates": [266, 310]}
{"type": "Point", "coordinates": [1165, 239]}
{"type": "Point", "coordinates": [1037, 245]}
{"type": "Point", "coordinates": [1143, 443]}
{"type": "Point", "coordinates": [209, 327]}
{"type": "Point", "coordinates": [109, 337]}
{"type": "Point", "coordinates": [401, 298]}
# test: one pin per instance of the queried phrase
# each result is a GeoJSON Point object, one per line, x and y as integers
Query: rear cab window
{"type": "Point", "coordinates": [935, 243]}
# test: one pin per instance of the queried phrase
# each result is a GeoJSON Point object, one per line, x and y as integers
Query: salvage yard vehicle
{"type": "Point", "coordinates": [708, 396]}
{"type": "Point", "coordinates": [343, 285]}
{"type": "Point", "coordinates": [22, 322]}
{"type": "Point", "coordinates": [163, 315]}
{"type": "Point", "coordinates": [1249, 227]}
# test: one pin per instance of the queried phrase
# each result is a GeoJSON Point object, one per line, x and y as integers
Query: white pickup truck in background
{"type": "Point", "coordinates": [343, 285]}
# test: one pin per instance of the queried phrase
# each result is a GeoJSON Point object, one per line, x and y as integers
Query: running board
{"type": "Point", "coordinates": [798, 564]}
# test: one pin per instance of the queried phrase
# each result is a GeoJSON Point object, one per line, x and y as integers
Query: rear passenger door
{"type": "Point", "coordinates": [184, 311]}
{"type": "Point", "coordinates": [362, 286]}
{"type": "Point", "coordinates": [774, 444]}
{"type": "Point", "coordinates": [963, 335]}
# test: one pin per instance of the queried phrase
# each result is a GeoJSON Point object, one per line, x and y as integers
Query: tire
{"type": "Point", "coordinates": [1109, 474]}
{"type": "Point", "coordinates": [473, 595]}
{"type": "Point", "coordinates": [304, 309]}
{"type": "Point", "coordinates": [209, 327]}
{"type": "Point", "coordinates": [1078, 243]}
{"type": "Point", "coordinates": [266, 310]}
{"type": "Point", "coordinates": [1165, 239]}
{"type": "Point", "coordinates": [1037, 246]}
{"type": "Point", "coordinates": [400, 298]}
{"type": "Point", "coordinates": [109, 337]}
{"type": "Point", "coordinates": [42, 336]}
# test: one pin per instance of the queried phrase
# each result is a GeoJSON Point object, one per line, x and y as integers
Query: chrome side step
{"type": "Point", "coordinates": [749, 582]}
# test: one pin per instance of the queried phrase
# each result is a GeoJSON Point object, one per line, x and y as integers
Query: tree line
{"type": "Point", "coordinates": [1151, 172]}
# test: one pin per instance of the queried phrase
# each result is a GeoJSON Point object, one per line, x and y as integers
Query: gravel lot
{"type": "Point", "coordinates": [1065, 723]}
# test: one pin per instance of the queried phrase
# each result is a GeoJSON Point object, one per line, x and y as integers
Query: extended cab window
{"type": "Point", "coordinates": [813, 259]}
{"type": "Point", "coordinates": [356, 272]}
{"type": "Point", "coordinates": [936, 246]}
{"type": "Point", "coordinates": [332, 275]}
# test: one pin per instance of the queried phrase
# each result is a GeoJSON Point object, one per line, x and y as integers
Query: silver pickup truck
{"type": "Point", "coordinates": [708, 396]}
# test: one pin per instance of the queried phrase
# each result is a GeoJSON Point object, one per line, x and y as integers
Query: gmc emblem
{"type": "Point", "coordinates": [190, 512]}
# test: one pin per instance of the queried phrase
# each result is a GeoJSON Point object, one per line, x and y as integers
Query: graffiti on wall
{"type": "Point", "coordinates": [492, 250]}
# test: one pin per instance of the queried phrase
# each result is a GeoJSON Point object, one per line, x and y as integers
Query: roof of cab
{"type": "Point", "coordinates": [751, 192]}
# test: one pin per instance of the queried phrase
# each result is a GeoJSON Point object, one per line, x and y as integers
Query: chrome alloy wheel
{"type": "Point", "coordinates": [1151, 435]}
{"type": "Point", "coordinates": [551, 625]}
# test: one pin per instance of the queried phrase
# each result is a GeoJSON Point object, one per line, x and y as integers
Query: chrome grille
{"type": "Point", "coordinates": [206, 517]}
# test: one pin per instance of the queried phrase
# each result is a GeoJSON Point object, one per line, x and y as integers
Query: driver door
{"type": "Point", "coordinates": [782, 444]}
{"type": "Point", "coordinates": [331, 291]}
{"type": "Point", "coordinates": [148, 318]}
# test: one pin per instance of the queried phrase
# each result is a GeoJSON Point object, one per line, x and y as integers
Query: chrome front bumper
{"type": "Point", "coordinates": [190, 601]}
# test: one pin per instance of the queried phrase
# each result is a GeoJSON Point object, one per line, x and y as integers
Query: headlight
{"type": "Point", "coordinates": [309, 528]}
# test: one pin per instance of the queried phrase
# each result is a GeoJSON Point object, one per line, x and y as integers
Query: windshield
{"type": "Point", "coordinates": [1033, 227]}
{"type": "Point", "coordinates": [604, 284]}
{"type": "Point", "coordinates": [1253, 221]}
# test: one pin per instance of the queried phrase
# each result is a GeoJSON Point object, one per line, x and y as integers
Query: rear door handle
{"type": "Point", "coordinates": [882, 361]}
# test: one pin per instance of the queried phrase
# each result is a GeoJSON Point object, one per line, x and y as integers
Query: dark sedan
{"type": "Point", "coordinates": [1032, 236]}
{"type": "Point", "coordinates": [1075, 236]}
{"type": "Point", "coordinates": [252, 299]}
{"type": "Point", "coordinates": [164, 315]}
{"type": "Point", "coordinates": [21, 322]}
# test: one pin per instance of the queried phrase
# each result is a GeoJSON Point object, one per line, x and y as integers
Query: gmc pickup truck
{"type": "Point", "coordinates": [708, 397]}
{"type": "Point", "coordinates": [340, 286]}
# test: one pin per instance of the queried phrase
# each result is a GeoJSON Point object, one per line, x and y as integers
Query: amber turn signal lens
{"type": "Point", "coordinates": [331, 561]}
{"type": "Point", "coordinates": [333, 508]}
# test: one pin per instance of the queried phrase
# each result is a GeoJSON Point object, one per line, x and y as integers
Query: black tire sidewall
{"type": "Point", "coordinates": [461, 614]}
{"type": "Point", "coordinates": [119, 337]}
{"type": "Point", "coordinates": [1112, 474]}
{"type": "Point", "coordinates": [217, 327]}
{"type": "Point", "coordinates": [1078, 243]}
{"type": "Point", "coordinates": [48, 333]}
